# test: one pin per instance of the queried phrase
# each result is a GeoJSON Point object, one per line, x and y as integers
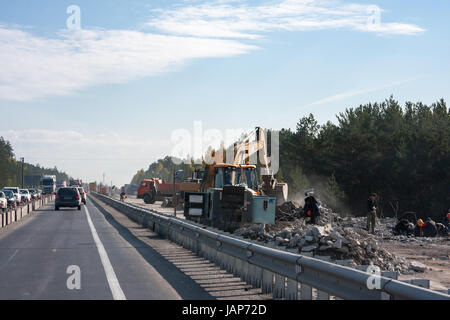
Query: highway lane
{"type": "Point", "coordinates": [36, 252]}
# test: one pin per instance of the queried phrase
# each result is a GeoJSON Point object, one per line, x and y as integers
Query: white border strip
{"type": "Point", "coordinates": [113, 282]}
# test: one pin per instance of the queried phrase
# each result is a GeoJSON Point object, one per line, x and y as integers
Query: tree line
{"type": "Point", "coordinates": [163, 169]}
{"type": "Point", "coordinates": [11, 168]}
{"type": "Point", "coordinates": [400, 153]}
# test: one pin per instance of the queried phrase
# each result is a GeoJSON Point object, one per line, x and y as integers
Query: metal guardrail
{"type": "Point", "coordinates": [284, 274]}
{"type": "Point", "coordinates": [15, 214]}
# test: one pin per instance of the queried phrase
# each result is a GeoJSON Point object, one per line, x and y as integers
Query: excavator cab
{"type": "Point", "coordinates": [246, 175]}
{"type": "Point", "coordinates": [224, 175]}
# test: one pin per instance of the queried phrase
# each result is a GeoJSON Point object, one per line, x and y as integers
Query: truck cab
{"type": "Point", "coordinates": [48, 184]}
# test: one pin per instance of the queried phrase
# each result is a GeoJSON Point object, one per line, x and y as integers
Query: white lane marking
{"type": "Point", "coordinates": [113, 282]}
{"type": "Point", "coordinates": [10, 259]}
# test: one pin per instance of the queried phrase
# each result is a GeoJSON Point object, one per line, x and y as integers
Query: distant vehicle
{"type": "Point", "coordinates": [155, 189]}
{"type": "Point", "coordinates": [82, 194]}
{"type": "Point", "coordinates": [3, 201]}
{"type": "Point", "coordinates": [67, 198]}
{"type": "Point", "coordinates": [48, 184]}
{"type": "Point", "coordinates": [131, 189]}
{"type": "Point", "coordinates": [34, 193]}
{"type": "Point", "coordinates": [92, 187]}
{"type": "Point", "coordinates": [9, 195]}
{"type": "Point", "coordinates": [75, 183]}
{"type": "Point", "coordinates": [16, 192]}
{"type": "Point", "coordinates": [26, 196]}
{"type": "Point", "coordinates": [61, 184]}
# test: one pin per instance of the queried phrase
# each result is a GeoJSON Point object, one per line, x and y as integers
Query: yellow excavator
{"type": "Point", "coordinates": [229, 194]}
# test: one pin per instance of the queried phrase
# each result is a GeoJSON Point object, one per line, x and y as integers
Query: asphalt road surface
{"type": "Point", "coordinates": [99, 254]}
{"type": "Point", "coordinates": [42, 253]}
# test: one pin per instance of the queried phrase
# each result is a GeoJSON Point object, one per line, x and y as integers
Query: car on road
{"type": "Point", "coordinates": [26, 196]}
{"type": "Point", "coordinates": [67, 198]}
{"type": "Point", "coordinates": [82, 194]}
{"type": "Point", "coordinates": [3, 201]}
{"type": "Point", "coordinates": [10, 198]}
{"type": "Point", "coordinates": [33, 193]}
{"type": "Point", "coordinates": [16, 192]}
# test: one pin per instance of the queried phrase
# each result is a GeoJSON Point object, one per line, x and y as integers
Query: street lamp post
{"type": "Point", "coordinates": [174, 193]}
{"type": "Point", "coordinates": [23, 161]}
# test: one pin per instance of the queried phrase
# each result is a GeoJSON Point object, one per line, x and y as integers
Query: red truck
{"type": "Point", "coordinates": [152, 190]}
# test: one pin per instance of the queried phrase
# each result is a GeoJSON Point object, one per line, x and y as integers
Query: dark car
{"type": "Point", "coordinates": [67, 198]}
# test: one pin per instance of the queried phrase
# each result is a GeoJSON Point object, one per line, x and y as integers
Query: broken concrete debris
{"type": "Point", "coordinates": [333, 237]}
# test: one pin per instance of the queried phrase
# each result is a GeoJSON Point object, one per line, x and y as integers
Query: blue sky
{"type": "Point", "coordinates": [108, 97]}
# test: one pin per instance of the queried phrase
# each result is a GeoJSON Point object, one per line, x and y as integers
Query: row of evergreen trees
{"type": "Point", "coordinates": [11, 168]}
{"type": "Point", "coordinates": [402, 154]}
{"type": "Point", "coordinates": [163, 168]}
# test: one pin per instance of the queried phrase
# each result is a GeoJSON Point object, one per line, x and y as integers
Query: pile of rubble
{"type": "Point", "coordinates": [337, 238]}
{"type": "Point", "coordinates": [288, 211]}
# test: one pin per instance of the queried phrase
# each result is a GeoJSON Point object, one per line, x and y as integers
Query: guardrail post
{"type": "Point", "coordinates": [229, 263]}
{"type": "Point", "coordinates": [244, 271]}
{"type": "Point", "coordinates": [292, 289]}
{"type": "Point", "coordinates": [251, 274]}
{"type": "Point", "coordinates": [280, 284]}
{"type": "Point", "coordinates": [305, 292]}
{"type": "Point", "coordinates": [238, 267]}
{"type": "Point", "coordinates": [267, 281]}
{"type": "Point", "coordinates": [322, 295]}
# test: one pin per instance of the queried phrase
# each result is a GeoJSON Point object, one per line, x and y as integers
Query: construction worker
{"type": "Point", "coordinates": [442, 231]}
{"type": "Point", "coordinates": [418, 231]}
{"type": "Point", "coordinates": [311, 208]}
{"type": "Point", "coordinates": [425, 229]}
{"type": "Point", "coordinates": [404, 227]}
{"type": "Point", "coordinates": [372, 206]}
{"type": "Point", "coordinates": [446, 221]}
{"type": "Point", "coordinates": [123, 195]}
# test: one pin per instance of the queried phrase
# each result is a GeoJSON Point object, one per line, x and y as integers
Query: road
{"type": "Point", "coordinates": [117, 259]}
{"type": "Point", "coordinates": [36, 253]}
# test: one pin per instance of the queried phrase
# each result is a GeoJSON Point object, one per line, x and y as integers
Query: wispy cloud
{"type": "Point", "coordinates": [354, 93]}
{"type": "Point", "coordinates": [245, 21]}
{"type": "Point", "coordinates": [33, 67]}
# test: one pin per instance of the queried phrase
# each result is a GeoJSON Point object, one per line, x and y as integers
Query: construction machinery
{"type": "Point", "coordinates": [92, 187]}
{"type": "Point", "coordinates": [155, 189]}
{"type": "Point", "coordinates": [229, 194]}
{"type": "Point", "coordinates": [256, 143]}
